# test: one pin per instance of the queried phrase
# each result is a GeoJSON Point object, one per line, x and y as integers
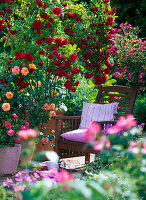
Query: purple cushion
{"type": "Point", "coordinates": [75, 135]}
{"type": "Point", "coordinates": [97, 112]}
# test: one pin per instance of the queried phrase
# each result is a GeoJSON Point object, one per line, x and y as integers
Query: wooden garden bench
{"type": "Point", "coordinates": [125, 96]}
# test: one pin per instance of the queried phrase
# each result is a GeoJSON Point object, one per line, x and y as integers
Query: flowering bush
{"type": "Point", "coordinates": [129, 57]}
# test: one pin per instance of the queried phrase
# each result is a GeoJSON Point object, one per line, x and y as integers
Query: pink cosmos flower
{"type": "Point", "coordinates": [15, 70]}
{"type": "Point", "coordinates": [91, 132]}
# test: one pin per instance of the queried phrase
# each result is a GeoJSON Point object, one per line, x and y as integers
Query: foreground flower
{"type": "Point", "coordinates": [9, 95]}
{"type": "Point", "coordinates": [91, 132]}
{"type": "Point", "coordinates": [124, 123]}
{"type": "Point", "coordinates": [10, 132]}
{"type": "Point", "coordinates": [100, 144]}
{"type": "Point", "coordinates": [6, 107]}
{"type": "Point", "coordinates": [65, 176]}
{"type": "Point", "coordinates": [26, 134]}
{"type": "Point", "coordinates": [137, 146]}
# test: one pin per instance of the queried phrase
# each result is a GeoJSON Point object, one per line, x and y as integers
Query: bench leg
{"type": "Point", "coordinates": [87, 158]}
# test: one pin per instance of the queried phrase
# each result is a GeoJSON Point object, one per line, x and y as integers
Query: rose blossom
{"type": "Point", "coordinates": [6, 107]}
{"type": "Point", "coordinates": [57, 11]}
{"type": "Point", "coordinates": [10, 132]}
{"type": "Point", "coordinates": [73, 57]}
{"type": "Point", "coordinates": [15, 70]}
{"type": "Point", "coordinates": [9, 95]}
{"type": "Point", "coordinates": [24, 71]}
{"type": "Point", "coordinates": [52, 113]}
{"type": "Point", "coordinates": [25, 134]}
{"type": "Point", "coordinates": [14, 116]}
{"type": "Point", "coordinates": [7, 124]}
{"type": "Point", "coordinates": [45, 140]}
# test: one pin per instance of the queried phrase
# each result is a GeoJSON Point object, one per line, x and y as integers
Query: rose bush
{"type": "Point", "coordinates": [51, 43]}
{"type": "Point", "coordinates": [129, 51]}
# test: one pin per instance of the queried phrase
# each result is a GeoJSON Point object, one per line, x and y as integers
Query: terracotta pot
{"type": "Point", "coordinates": [9, 158]}
{"type": "Point", "coordinates": [30, 147]}
{"type": "Point", "coordinates": [50, 125]}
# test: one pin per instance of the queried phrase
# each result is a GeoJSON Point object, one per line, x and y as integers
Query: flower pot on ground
{"type": "Point", "coordinates": [49, 126]}
{"type": "Point", "coordinates": [9, 158]}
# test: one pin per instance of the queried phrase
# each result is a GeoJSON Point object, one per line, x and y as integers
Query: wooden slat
{"type": "Point", "coordinates": [115, 100]}
{"type": "Point", "coordinates": [123, 105]}
{"type": "Point", "coordinates": [122, 89]}
{"type": "Point", "coordinates": [69, 125]}
{"type": "Point", "coordinates": [72, 125]}
{"type": "Point", "coordinates": [65, 129]}
{"type": "Point", "coordinates": [66, 117]}
{"type": "Point", "coordinates": [116, 95]}
{"type": "Point", "coordinates": [122, 110]}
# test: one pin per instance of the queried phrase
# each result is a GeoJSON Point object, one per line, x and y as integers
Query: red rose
{"type": "Point", "coordinates": [67, 64]}
{"type": "Point", "coordinates": [58, 41]}
{"type": "Point", "coordinates": [106, 1]}
{"type": "Point", "coordinates": [67, 30]}
{"type": "Point", "coordinates": [49, 69]}
{"type": "Point", "coordinates": [100, 58]}
{"type": "Point", "coordinates": [71, 42]}
{"type": "Point", "coordinates": [87, 76]}
{"type": "Point", "coordinates": [98, 44]}
{"type": "Point", "coordinates": [19, 55]}
{"type": "Point", "coordinates": [13, 32]}
{"type": "Point", "coordinates": [44, 16]}
{"type": "Point", "coordinates": [40, 63]}
{"type": "Point", "coordinates": [40, 41]}
{"type": "Point", "coordinates": [75, 15]}
{"type": "Point", "coordinates": [69, 15]}
{"type": "Point", "coordinates": [39, 3]}
{"type": "Point", "coordinates": [77, 83]}
{"type": "Point", "coordinates": [37, 25]}
{"type": "Point", "coordinates": [42, 52]}
{"type": "Point", "coordinates": [89, 37]}
{"type": "Point", "coordinates": [68, 85]}
{"type": "Point", "coordinates": [56, 63]}
{"type": "Point", "coordinates": [2, 12]}
{"type": "Point", "coordinates": [84, 40]}
{"type": "Point", "coordinates": [55, 53]}
{"type": "Point", "coordinates": [54, 47]}
{"type": "Point", "coordinates": [57, 11]}
{"type": "Point", "coordinates": [50, 56]}
{"type": "Point", "coordinates": [107, 71]}
{"type": "Point", "coordinates": [73, 57]}
{"type": "Point", "coordinates": [64, 42]}
{"type": "Point", "coordinates": [73, 89]}
{"type": "Point", "coordinates": [45, 6]}
{"type": "Point", "coordinates": [49, 40]}
{"type": "Point", "coordinates": [60, 72]}
{"type": "Point", "coordinates": [75, 70]}
{"type": "Point", "coordinates": [21, 83]}
{"type": "Point", "coordinates": [8, 10]}
{"type": "Point", "coordinates": [51, 21]}
{"type": "Point", "coordinates": [82, 46]}
{"type": "Point", "coordinates": [29, 57]}
{"type": "Point", "coordinates": [10, 62]}
{"type": "Point", "coordinates": [48, 25]}
{"type": "Point", "coordinates": [68, 75]}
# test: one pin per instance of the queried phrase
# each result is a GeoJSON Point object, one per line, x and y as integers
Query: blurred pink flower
{"type": "Point", "coordinates": [18, 140]}
{"type": "Point", "coordinates": [124, 123]}
{"type": "Point", "coordinates": [15, 70]}
{"type": "Point", "coordinates": [100, 144]}
{"type": "Point", "coordinates": [93, 129]}
{"type": "Point", "coordinates": [14, 116]}
{"type": "Point", "coordinates": [26, 134]}
{"type": "Point", "coordinates": [65, 176]}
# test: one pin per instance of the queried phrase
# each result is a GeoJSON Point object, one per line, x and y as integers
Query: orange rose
{"type": "Point", "coordinates": [32, 66]}
{"type": "Point", "coordinates": [45, 140]}
{"type": "Point", "coordinates": [38, 83]}
{"type": "Point", "coordinates": [9, 95]}
{"type": "Point", "coordinates": [23, 64]}
{"type": "Point", "coordinates": [52, 113]}
{"type": "Point", "coordinates": [46, 106]}
{"type": "Point", "coordinates": [6, 107]}
{"type": "Point", "coordinates": [24, 71]}
{"type": "Point", "coordinates": [21, 90]}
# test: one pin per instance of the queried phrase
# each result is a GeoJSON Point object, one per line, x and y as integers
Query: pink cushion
{"type": "Point", "coordinates": [97, 112]}
{"type": "Point", "coordinates": [75, 135]}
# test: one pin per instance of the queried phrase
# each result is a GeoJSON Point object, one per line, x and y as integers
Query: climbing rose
{"type": "Point", "coordinates": [9, 95]}
{"type": "Point", "coordinates": [7, 124]}
{"type": "Point", "coordinates": [73, 57]}
{"type": "Point", "coordinates": [10, 132]}
{"type": "Point", "coordinates": [37, 25]}
{"type": "Point", "coordinates": [24, 71]}
{"type": "Point", "coordinates": [57, 11]}
{"type": "Point", "coordinates": [52, 113]}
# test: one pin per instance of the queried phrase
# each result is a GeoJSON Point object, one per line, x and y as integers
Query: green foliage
{"type": "Point", "coordinates": [6, 195]}
{"type": "Point", "coordinates": [139, 110]}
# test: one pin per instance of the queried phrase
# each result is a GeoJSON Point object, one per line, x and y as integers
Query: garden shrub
{"type": "Point", "coordinates": [139, 110]}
